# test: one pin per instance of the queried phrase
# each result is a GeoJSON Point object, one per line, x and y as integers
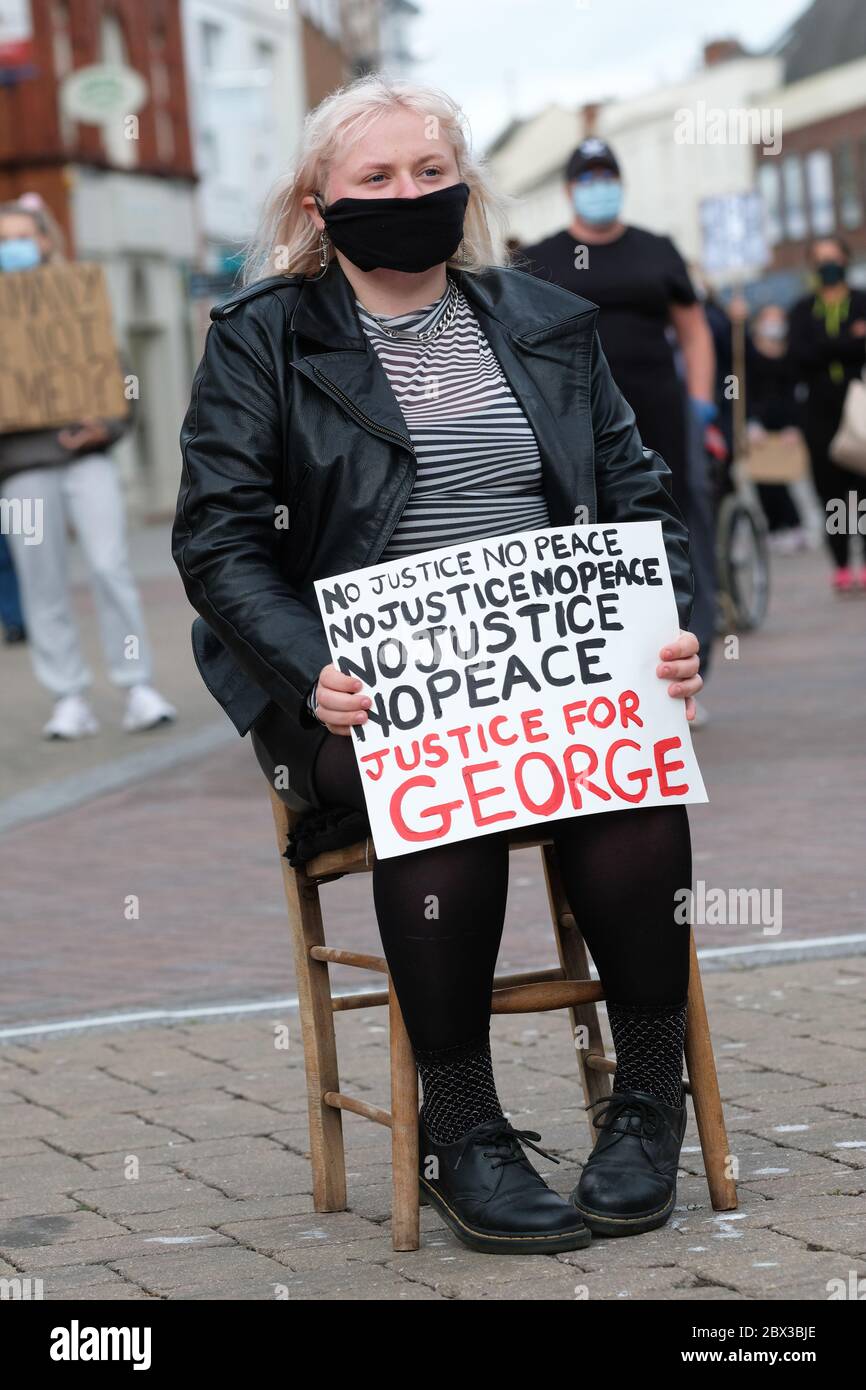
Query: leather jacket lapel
{"type": "Point", "coordinates": [349, 370]}
{"type": "Point", "coordinates": [358, 383]}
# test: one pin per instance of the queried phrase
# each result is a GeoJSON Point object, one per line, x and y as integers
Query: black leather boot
{"type": "Point", "coordinates": [629, 1182]}
{"type": "Point", "coordinates": [487, 1191]}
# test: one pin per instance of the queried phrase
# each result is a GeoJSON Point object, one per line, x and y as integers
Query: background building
{"type": "Point", "coordinates": [255, 69]}
{"type": "Point", "coordinates": [122, 186]}
{"type": "Point", "coordinates": [248, 97]}
{"type": "Point", "coordinates": [160, 170]}
{"type": "Point", "coordinates": [814, 182]}
{"type": "Point", "coordinates": [819, 184]}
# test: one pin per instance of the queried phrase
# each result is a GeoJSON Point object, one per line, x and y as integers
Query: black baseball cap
{"type": "Point", "coordinates": [590, 151]}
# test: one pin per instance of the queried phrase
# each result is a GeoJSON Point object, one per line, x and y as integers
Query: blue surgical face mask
{"type": "Point", "coordinates": [598, 200]}
{"type": "Point", "coordinates": [19, 253]}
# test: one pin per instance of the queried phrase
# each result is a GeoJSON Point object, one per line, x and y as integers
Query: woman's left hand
{"type": "Point", "coordinates": [679, 663]}
{"type": "Point", "coordinates": [89, 432]}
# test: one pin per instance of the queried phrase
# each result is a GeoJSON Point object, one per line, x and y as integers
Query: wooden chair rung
{"type": "Point", "coordinates": [358, 1107]}
{"type": "Point", "coordinates": [376, 999]}
{"type": "Point", "coordinates": [373, 999]}
{"type": "Point", "coordinates": [547, 995]}
{"type": "Point", "coordinates": [359, 959]}
{"type": "Point", "coordinates": [596, 1063]}
{"type": "Point", "coordinates": [529, 977]}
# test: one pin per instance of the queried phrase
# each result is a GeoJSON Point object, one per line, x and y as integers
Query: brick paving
{"type": "Point", "coordinates": [171, 1163]}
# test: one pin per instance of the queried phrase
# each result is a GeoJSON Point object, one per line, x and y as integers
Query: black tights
{"type": "Point", "coordinates": [832, 483]}
{"type": "Point", "coordinates": [441, 910]}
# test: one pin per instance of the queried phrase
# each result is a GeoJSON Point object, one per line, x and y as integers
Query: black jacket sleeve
{"type": "Point", "coordinates": [632, 482]}
{"type": "Point", "coordinates": [226, 541]}
{"type": "Point", "coordinates": [812, 348]}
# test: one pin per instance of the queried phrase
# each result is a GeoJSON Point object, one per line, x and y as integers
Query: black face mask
{"type": "Point", "coordinates": [831, 272]}
{"type": "Point", "coordinates": [411, 234]}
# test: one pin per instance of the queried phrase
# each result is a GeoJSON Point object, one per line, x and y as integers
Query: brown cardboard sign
{"type": "Point", "coordinates": [58, 355]}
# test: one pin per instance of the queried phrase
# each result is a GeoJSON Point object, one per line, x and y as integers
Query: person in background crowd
{"type": "Point", "coordinates": [71, 473]}
{"type": "Point", "coordinates": [11, 615]}
{"type": "Point", "coordinates": [642, 287]}
{"type": "Point", "coordinates": [772, 407]}
{"type": "Point", "coordinates": [827, 344]}
{"type": "Point", "coordinates": [314, 386]}
{"type": "Point", "coordinates": [719, 323]}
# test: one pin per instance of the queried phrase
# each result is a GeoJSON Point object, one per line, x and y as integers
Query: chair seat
{"type": "Point", "coordinates": [360, 857]}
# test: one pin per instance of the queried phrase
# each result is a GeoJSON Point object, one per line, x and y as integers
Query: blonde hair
{"type": "Point", "coordinates": [287, 242]}
{"type": "Point", "coordinates": [31, 205]}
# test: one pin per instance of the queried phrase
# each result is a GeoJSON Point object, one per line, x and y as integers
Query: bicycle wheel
{"type": "Point", "coordinates": [743, 562]}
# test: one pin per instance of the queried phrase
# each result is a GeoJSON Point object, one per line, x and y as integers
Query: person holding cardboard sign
{"type": "Point", "coordinates": [381, 387]}
{"type": "Point", "coordinates": [51, 476]}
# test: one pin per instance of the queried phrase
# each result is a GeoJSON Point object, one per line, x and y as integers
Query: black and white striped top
{"type": "Point", "coordinates": [479, 471]}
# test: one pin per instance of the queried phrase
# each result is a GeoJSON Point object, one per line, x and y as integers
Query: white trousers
{"type": "Point", "coordinates": [88, 495]}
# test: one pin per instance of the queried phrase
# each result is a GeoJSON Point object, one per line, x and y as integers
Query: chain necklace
{"type": "Point", "coordinates": [445, 321]}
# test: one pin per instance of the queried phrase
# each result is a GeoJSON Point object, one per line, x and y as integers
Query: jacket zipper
{"type": "Point", "coordinates": [365, 419]}
{"type": "Point", "coordinates": [381, 430]}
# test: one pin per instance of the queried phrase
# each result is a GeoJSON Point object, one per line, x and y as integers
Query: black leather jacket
{"type": "Point", "coordinates": [291, 408]}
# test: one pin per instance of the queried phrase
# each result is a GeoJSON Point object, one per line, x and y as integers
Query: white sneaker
{"type": "Point", "coordinates": [787, 542]}
{"type": "Point", "coordinates": [146, 708]}
{"type": "Point", "coordinates": [72, 718]}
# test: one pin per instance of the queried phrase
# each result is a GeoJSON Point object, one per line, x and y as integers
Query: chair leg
{"type": "Point", "coordinates": [317, 1027]}
{"type": "Point", "coordinates": [405, 1219]}
{"type": "Point", "coordinates": [574, 961]}
{"type": "Point", "coordinates": [701, 1067]}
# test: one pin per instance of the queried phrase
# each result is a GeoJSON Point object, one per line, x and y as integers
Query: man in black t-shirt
{"type": "Point", "coordinates": [641, 285]}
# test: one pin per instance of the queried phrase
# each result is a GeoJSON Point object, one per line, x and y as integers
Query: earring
{"type": "Point", "coordinates": [323, 250]}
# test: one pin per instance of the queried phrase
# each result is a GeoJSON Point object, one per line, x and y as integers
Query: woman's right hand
{"type": "Point", "coordinates": [340, 700]}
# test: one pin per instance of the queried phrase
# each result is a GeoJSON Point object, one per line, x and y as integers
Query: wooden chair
{"type": "Point", "coordinates": [566, 986]}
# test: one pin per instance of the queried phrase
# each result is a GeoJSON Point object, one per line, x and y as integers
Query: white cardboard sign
{"type": "Point", "coordinates": [513, 682]}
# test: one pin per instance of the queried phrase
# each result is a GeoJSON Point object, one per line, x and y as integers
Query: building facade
{"type": "Point", "coordinates": [789, 123]}
{"type": "Point", "coordinates": [122, 187]}
{"type": "Point", "coordinates": [164, 188]}
{"type": "Point", "coordinates": [247, 96]}
{"type": "Point", "coordinates": [818, 186]}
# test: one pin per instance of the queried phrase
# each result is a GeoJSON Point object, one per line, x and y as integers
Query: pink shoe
{"type": "Point", "coordinates": [843, 580]}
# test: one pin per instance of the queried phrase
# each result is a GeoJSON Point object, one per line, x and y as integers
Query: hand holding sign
{"type": "Point", "coordinates": [513, 681]}
{"type": "Point", "coordinates": [680, 662]}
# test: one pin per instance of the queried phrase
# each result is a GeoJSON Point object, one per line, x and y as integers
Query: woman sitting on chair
{"type": "Point", "coordinates": [315, 445]}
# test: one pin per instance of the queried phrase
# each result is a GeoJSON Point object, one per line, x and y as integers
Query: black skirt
{"type": "Point", "coordinates": [280, 741]}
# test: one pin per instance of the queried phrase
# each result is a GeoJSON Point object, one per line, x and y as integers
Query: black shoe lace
{"type": "Point", "coordinates": [623, 1105]}
{"type": "Point", "coordinates": [505, 1143]}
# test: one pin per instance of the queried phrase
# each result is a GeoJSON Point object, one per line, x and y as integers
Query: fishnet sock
{"type": "Point", "coordinates": [648, 1041]}
{"type": "Point", "coordinates": [459, 1090]}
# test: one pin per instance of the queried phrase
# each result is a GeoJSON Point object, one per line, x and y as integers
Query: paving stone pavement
{"type": "Point", "coordinates": [170, 1162]}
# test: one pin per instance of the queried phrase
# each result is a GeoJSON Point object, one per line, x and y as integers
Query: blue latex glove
{"type": "Point", "coordinates": [705, 411]}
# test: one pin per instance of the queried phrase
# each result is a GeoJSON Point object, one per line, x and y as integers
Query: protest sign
{"type": "Point", "coordinates": [58, 357]}
{"type": "Point", "coordinates": [513, 682]}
